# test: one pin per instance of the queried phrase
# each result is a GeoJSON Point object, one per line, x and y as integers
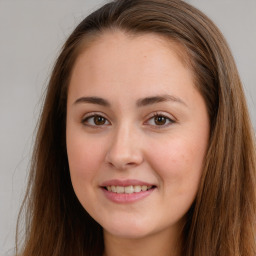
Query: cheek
{"type": "Point", "coordinates": [84, 157]}
{"type": "Point", "coordinates": [178, 163]}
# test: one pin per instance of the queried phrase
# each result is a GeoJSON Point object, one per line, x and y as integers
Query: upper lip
{"type": "Point", "coordinates": [125, 183]}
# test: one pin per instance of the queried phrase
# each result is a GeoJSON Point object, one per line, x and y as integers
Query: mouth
{"type": "Point", "coordinates": [128, 189]}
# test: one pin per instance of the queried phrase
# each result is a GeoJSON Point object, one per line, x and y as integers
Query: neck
{"type": "Point", "coordinates": [164, 244]}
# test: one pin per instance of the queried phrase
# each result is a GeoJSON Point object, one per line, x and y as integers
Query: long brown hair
{"type": "Point", "coordinates": [222, 219]}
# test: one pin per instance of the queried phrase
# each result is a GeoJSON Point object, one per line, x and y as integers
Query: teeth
{"type": "Point", "coordinates": [119, 189]}
{"type": "Point", "coordinates": [137, 189]}
{"type": "Point", "coordinates": [128, 189]}
{"type": "Point", "coordinates": [113, 188]}
{"type": "Point", "coordinates": [144, 188]}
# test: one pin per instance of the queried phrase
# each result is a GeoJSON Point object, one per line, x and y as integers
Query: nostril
{"type": "Point", "coordinates": [110, 164]}
{"type": "Point", "coordinates": [123, 155]}
{"type": "Point", "coordinates": [131, 163]}
{"type": "Point", "coordinates": [121, 164]}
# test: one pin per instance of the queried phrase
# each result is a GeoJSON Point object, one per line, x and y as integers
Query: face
{"type": "Point", "coordinates": [137, 133]}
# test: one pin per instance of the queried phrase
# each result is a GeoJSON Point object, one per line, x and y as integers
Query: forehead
{"type": "Point", "coordinates": [118, 50]}
{"type": "Point", "coordinates": [109, 37]}
{"type": "Point", "coordinates": [117, 63]}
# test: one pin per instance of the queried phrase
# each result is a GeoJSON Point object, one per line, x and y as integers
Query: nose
{"type": "Point", "coordinates": [125, 149]}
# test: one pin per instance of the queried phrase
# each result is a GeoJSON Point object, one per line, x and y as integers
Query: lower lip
{"type": "Point", "coordinates": [126, 198]}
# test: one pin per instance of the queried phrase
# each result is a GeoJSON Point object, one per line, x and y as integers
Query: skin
{"type": "Point", "coordinates": [129, 143]}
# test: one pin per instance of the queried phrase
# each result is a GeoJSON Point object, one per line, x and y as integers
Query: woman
{"type": "Point", "coordinates": [144, 144]}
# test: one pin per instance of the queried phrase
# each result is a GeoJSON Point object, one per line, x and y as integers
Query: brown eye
{"type": "Point", "coordinates": [99, 120]}
{"type": "Point", "coordinates": [160, 120]}
{"type": "Point", "coordinates": [95, 120]}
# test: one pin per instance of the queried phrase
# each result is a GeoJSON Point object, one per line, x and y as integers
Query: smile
{"type": "Point", "coordinates": [128, 189]}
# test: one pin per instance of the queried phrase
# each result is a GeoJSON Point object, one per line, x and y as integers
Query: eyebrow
{"type": "Point", "coordinates": [139, 103]}
{"type": "Point", "coordinates": [157, 99]}
{"type": "Point", "coordinates": [93, 100]}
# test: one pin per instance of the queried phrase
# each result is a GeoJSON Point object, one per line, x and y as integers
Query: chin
{"type": "Point", "coordinates": [130, 234]}
{"type": "Point", "coordinates": [129, 230]}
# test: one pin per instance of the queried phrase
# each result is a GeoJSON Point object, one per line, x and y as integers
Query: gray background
{"type": "Point", "coordinates": [31, 35]}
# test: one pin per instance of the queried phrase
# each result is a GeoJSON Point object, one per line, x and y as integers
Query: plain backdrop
{"type": "Point", "coordinates": [31, 35]}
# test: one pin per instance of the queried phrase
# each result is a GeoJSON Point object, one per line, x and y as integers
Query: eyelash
{"type": "Point", "coordinates": [86, 119]}
{"type": "Point", "coordinates": [161, 115]}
